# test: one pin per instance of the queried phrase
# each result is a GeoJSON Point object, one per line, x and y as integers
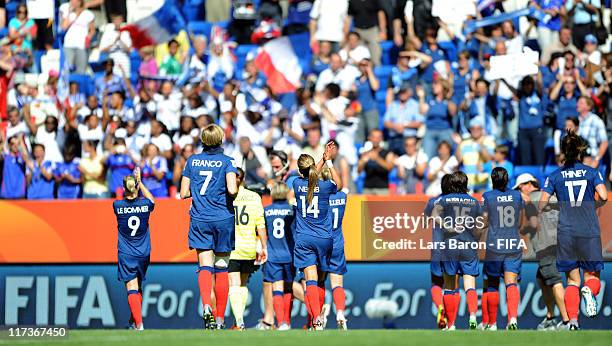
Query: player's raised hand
{"type": "Point", "coordinates": [137, 174]}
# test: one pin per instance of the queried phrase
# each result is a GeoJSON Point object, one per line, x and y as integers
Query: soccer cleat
{"type": "Point", "coordinates": [481, 326]}
{"type": "Point", "coordinates": [131, 326]}
{"type": "Point", "coordinates": [547, 324]}
{"type": "Point", "coordinates": [512, 324]}
{"type": "Point", "coordinates": [209, 319]}
{"type": "Point", "coordinates": [240, 327]}
{"type": "Point", "coordinates": [341, 320]}
{"type": "Point", "coordinates": [324, 313]}
{"type": "Point", "coordinates": [590, 301]}
{"type": "Point", "coordinates": [141, 327]}
{"type": "Point", "coordinates": [473, 323]}
{"type": "Point", "coordinates": [283, 327]}
{"type": "Point", "coordinates": [318, 324]}
{"type": "Point", "coordinates": [573, 325]}
{"type": "Point", "coordinates": [441, 319]}
{"type": "Point", "coordinates": [563, 325]}
{"type": "Point", "coordinates": [491, 327]}
{"type": "Point", "coordinates": [263, 325]}
{"type": "Point", "coordinates": [220, 325]}
{"type": "Point", "coordinates": [450, 328]}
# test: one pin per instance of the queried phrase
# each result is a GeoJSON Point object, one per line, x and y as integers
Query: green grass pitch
{"type": "Point", "coordinates": [329, 337]}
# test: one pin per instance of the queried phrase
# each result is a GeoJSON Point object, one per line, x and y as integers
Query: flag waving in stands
{"type": "Point", "coordinates": [161, 26]}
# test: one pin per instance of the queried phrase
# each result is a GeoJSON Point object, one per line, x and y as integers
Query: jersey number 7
{"type": "Point", "coordinates": [207, 176]}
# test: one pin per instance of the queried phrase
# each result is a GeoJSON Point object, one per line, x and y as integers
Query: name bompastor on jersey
{"type": "Point", "coordinates": [279, 212]}
{"type": "Point", "coordinates": [133, 210]}
{"type": "Point", "coordinates": [206, 163]}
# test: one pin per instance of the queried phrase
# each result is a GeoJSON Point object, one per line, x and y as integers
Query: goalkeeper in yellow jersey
{"type": "Point", "coordinates": [250, 228]}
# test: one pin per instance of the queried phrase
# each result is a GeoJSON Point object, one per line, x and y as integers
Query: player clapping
{"type": "Point", "coordinates": [134, 242]}
{"type": "Point", "coordinates": [314, 240]}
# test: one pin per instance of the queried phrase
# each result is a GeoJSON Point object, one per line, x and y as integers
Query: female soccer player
{"type": "Point", "coordinates": [504, 209]}
{"type": "Point", "coordinates": [337, 263]}
{"type": "Point", "coordinates": [578, 232]}
{"type": "Point", "coordinates": [314, 240]}
{"type": "Point", "coordinates": [209, 178]}
{"type": "Point", "coordinates": [134, 244]}
{"type": "Point", "coordinates": [279, 270]}
{"type": "Point", "coordinates": [249, 214]}
{"type": "Point", "coordinates": [459, 207]}
{"type": "Point", "coordinates": [437, 236]}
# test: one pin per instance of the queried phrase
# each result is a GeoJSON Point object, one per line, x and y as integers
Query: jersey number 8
{"type": "Point", "coordinates": [278, 228]}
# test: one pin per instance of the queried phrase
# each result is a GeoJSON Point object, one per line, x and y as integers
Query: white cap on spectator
{"type": "Point", "coordinates": [121, 133]}
{"type": "Point", "coordinates": [524, 178]}
{"type": "Point", "coordinates": [251, 55]}
{"type": "Point", "coordinates": [226, 106]}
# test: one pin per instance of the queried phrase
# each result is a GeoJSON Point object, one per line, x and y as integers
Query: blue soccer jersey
{"type": "Point", "coordinates": [337, 202]}
{"type": "Point", "coordinates": [574, 185]}
{"type": "Point", "coordinates": [504, 212]}
{"type": "Point", "coordinates": [314, 219]}
{"type": "Point", "coordinates": [280, 223]}
{"type": "Point", "coordinates": [210, 201]}
{"type": "Point", "coordinates": [460, 211]}
{"type": "Point", "coordinates": [133, 226]}
{"type": "Point", "coordinates": [120, 165]}
{"type": "Point", "coordinates": [66, 189]}
{"type": "Point", "coordinates": [13, 177]}
{"type": "Point", "coordinates": [40, 187]}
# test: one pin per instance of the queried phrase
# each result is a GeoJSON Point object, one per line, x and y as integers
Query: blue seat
{"type": "Point", "coordinates": [200, 28]}
{"type": "Point", "coordinates": [11, 10]}
{"type": "Point", "coordinates": [241, 53]}
{"type": "Point", "coordinates": [536, 171]}
{"type": "Point", "coordinates": [86, 84]}
{"type": "Point", "coordinates": [385, 47]}
{"type": "Point", "coordinates": [450, 49]}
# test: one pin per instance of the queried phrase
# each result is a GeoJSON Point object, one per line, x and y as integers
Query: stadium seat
{"type": "Point", "coordinates": [241, 53]}
{"type": "Point", "coordinates": [385, 47]}
{"type": "Point", "coordinates": [536, 171]}
{"type": "Point", "coordinates": [11, 9]}
{"type": "Point", "coordinates": [200, 28]}
{"type": "Point", "coordinates": [86, 84]}
{"type": "Point", "coordinates": [193, 10]}
{"type": "Point", "coordinates": [450, 49]}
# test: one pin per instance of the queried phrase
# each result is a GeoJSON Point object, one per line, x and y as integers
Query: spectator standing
{"type": "Point", "coordinates": [118, 45]}
{"type": "Point", "coordinates": [109, 82]}
{"type": "Point", "coordinates": [402, 119]}
{"type": "Point", "coordinates": [121, 163]}
{"type": "Point", "coordinates": [405, 71]}
{"type": "Point", "coordinates": [370, 23]}
{"type": "Point", "coordinates": [565, 94]}
{"type": "Point", "coordinates": [172, 63]}
{"type": "Point", "coordinates": [329, 22]}
{"type": "Point", "coordinates": [94, 172]}
{"type": "Point", "coordinates": [78, 23]}
{"type": "Point", "coordinates": [480, 103]}
{"type": "Point", "coordinates": [584, 15]}
{"type": "Point", "coordinates": [39, 174]}
{"type": "Point", "coordinates": [13, 157]}
{"type": "Point", "coordinates": [548, 30]}
{"type": "Point", "coordinates": [67, 174]}
{"type": "Point", "coordinates": [438, 110]}
{"type": "Point", "coordinates": [22, 32]}
{"type": "Point", "coordinates": [443, 163]}
{"type": "Point", "coordinates": [593, 130]}
{"type": "Point", "coordinates": [376, 162]}
{"type": "Point", "coordinates": [532, 104]}
{"type": "Point", "coordinates": [562, 44]}
{"type": "Point", "coordinates": [153, 169]}
{"type": "Point", "coordinates": [366, 87]}
{"type": "Point", "coordinates": [43, 14]}
{"type": "Point", "coordinates": [473, 154]}
{"type": "Point", "coordinates": [411, 167]}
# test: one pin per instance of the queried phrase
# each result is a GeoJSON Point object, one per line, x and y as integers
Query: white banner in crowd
{"type": "Point", "coordinates": [514, 65]}
{"type": "Point", "coordinates": [453, 11]}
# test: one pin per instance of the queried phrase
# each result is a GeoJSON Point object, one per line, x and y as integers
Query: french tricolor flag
{"type": "Point", "coordinates": [161, 26]}
{"type": "Point", "coordinates": [283, 60]}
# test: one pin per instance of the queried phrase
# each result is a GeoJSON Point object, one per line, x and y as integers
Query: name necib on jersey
{"type": "Point", "coordinates": [304, 189]}
{"type": "Point", "coordinates": [132, 210]}
{"type": "Point", "coordinates": [206, 163]}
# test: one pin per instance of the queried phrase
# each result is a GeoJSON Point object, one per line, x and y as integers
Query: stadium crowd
{"type": "Point", "coordinates": [406, 96]}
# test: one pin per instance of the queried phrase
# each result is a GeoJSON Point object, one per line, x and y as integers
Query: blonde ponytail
{"type": "Point", "coordinates": [306, 167]}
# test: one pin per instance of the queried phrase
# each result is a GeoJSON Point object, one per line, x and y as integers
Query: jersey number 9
{"type": "Point", "coordinates": [133, 223]}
